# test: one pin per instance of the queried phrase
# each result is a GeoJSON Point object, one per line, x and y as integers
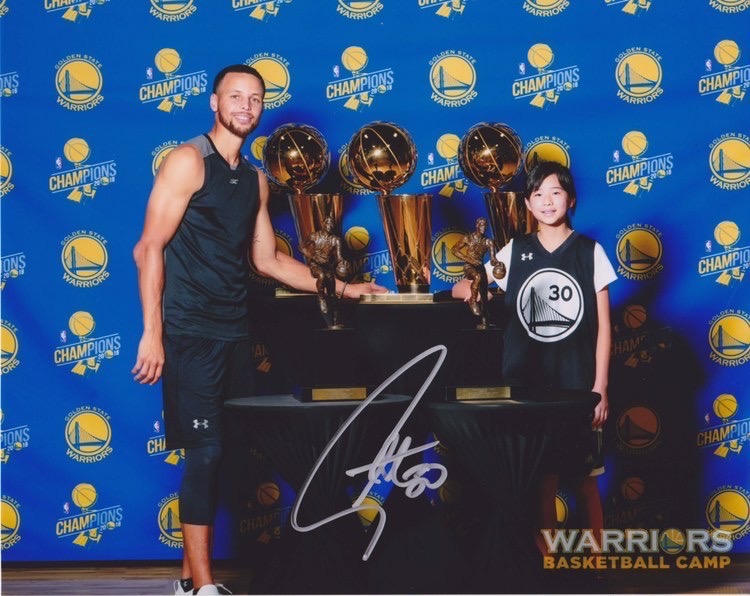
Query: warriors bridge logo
{"type": "Point", "coordinates": [349, 179]}
{"type": "Point", "coordinates": [79, 83]}
{"type": "Point", "coordinates": [731, 263]}
{"type": "Point", "coordinates": [444, 8]}
{"type": "Point", "coordinates": [168, 519]}
{"type": "Point", "coordinates": [729, 338]}
{"type": "Point", "coordinates": [730, 84]}
{"type": "Point", "coordinates": [546, 148]}
{"type": "Point", "coordinates": [728, 510]}
{"type": "Point", "coordinates": [730, 436]}
{"type": "Point", "coordinates": [6, 172]}
{"type": "Point", "coordinates": [453, 78]}
{"type": "Point", "coordinates": [172, 10]}
{"type": "Point", "coordinates": [13, 439]}
{"type": "Point", "coordinates": [260, 10]}
{"type": "Point", "coordinates": [448, 268]}
{"type": "Point", "coordinates": [72, 10]}
{"type": "Point", "coordinates": [729, 160]}
{"type": "Point", "coordinates": [88, 526]}
{"type": "Point", "coordinates": [87, 354]}
{"type": "Point", "coordinates": [638, 430]}
{"type": "Point", "coordinates": [9, 84]}
{"type": "Point", "coordinates": [11, 518]}
{"type": "Point", "coordinates": [446, 176]}
{"type": "Point", "coordinates": [639, 175]}
{"type": "Point", "coordinates": [544, 88]}
{"type": "Point", "coordinates": [275, 72]}
{"type": "Point", "coordinates": [359, 9]}
{"type": "Point", "coordinates": [358, 89]}
{"type": "Point", "coordinates": [88, 435]}
{"type": "Point", "coordinates": [8, 347]}
{"type": "Point", "coordinates": [82, 182]}
{"type": "Point", "coordinates": [160, 153]}
{"type": "Point", "coordinates": [550, 305]}
{"type": "Point", "coordinates": [631, 7]}
{"type": "Point", "coordinates": [639, 252]}
{"type": "Point", "coordinates": [84, 259]}
{"type": "Point", "coordinates": [638, 74]}
{"type": "Point", "coordinates": [13, 266]}
{"type": "Point", "coordinates": [545, 8]}
{"type": "Point", "coordinates": [173, 90]}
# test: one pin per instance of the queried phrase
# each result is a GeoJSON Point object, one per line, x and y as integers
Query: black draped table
{"type": "Point", "coordinates": [501, 445]}
{"type": "Point", "coordinates": [293, 435]}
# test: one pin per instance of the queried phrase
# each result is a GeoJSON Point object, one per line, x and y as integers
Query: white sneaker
{"type": "Point", "coordinates": [178, 588]}
{"type": "Point", "coordinates": [207, 589]}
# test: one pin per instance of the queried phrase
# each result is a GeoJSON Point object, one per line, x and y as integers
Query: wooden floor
{"type": "Point", "coordinates": [151, 579]}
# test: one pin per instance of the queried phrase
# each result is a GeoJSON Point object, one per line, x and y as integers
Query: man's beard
{"type": "Point", "coordinates": [236, 130]}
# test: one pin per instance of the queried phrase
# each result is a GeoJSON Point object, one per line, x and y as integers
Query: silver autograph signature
{"type": "Point", "coordinates": [391, 454]}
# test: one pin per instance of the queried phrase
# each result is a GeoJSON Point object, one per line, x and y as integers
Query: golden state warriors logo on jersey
{"type": "Point", "coordinates": [550, 305]}
{"type": "Point", "coordinates": [72, 11]}
{"type": "Point", "coordinates": [638, 430]}
{"type": "Point", "coordinates": [638, 175]}
{"type": "Point", "coordinates": [81, 182]}
{"type": "Point", "coordinates": [638, 75]}
{"type": "Point", "coordinates": [88, 434]}
{"type": "Point", "coordinates": [160, 153]}
{"type": "Point", "coordinates": [13, 266]}
{"type": "Point", "coordinates": [633, 344]}
{"type": "Point", "coordinates": [453, 78]}
{"type": "Point", "coordinates": [359, 9]}
{"type": "Point", "coordinates": [349, 179]}
{"type": "Point", "coordinates": [729, 85]}
{"type": "Point", "coordinates": [444, 8]}
{"type": "Point", "coordinates": [545, 8]}
{"type": "Point", "coordinates": [87, 526]}
{"type": "Point", "coordinates": [359, 88]}
{"type": "Point", "coordinates": [726, 262]}
{"type": "Point", "coordinates": [172, 10]}
{"type": "Point", "coordinates": [546, 148]}
{"type": "Point", "coordinates": [84, 259]}
{"type": "Point", "coordinates": [447, 267]}
{"type": "Point", "coordinates": [9, 84]}
{"type": "Point", "coordinates": [729, 160]}
{"type": "Point", "coordinates": [8, 347]}
{"type": "Point", "coordinates": [544, 88]}
{"type": "Point", "coordinates": [12, 439]}
{"type": "Point", "coordinates": [79, 83]}
{"type": "Point", "coordinates": [275, 72]}
{"type": "Point", "coordinates": [639, 252]}
{"type": "Point", "coordinates": [728, 510]}
{"type": "Point", "coordinates": [6, 172]}
{"type": "Point", "coordinates": [85, 356]}
{"type": "Point", "coordinates": [730, 6]}
{"type": "Point", "coordinates": [444, 175]}
{"type": "Point", "coordinates": [729, 338]}
{"type": "Point", "coordinates": [168, 519]}
{"type": "Point", "coordinates": [726, 436]}
{"type": "Point", "coordinates": [171, 90]}
{"type": "Point", "coordinates": [260, 10]}
{"type": "Point", "coordinates": [11, 518]}
{"type": "Point", "coordinates": [631, 7]}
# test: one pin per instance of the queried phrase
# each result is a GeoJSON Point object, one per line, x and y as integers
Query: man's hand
{"type": "Point", "coordinates": [359, 289]}
{"type": "Point", "coordinates": [150, 360]}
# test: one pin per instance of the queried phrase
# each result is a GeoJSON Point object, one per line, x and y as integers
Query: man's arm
{"type": "Point", "coordinates": [289, 271]}
{"type": "Point", "coordinates": [179, 176]}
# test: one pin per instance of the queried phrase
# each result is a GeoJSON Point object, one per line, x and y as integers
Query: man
{"type": "Point", "coordinates": [208, 205]}
{"type": "Point", "coordinates": [471, 249]}
{"type": "Point", "coordinates": [322, 249]}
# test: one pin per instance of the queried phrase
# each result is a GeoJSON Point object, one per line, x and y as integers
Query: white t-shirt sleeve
{"type": "Point", "coordinates": [604, 273]}
{"type": "Point", "coordinates": [504, 257]}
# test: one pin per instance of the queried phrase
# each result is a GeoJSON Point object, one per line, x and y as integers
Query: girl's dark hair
{"type": "Point", "coordinates": [546, 168]}
{"type": "Point", "coordinates": [240, 68]}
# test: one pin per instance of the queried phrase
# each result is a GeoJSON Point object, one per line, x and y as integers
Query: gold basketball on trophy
{"type": "Point", "coordinates": [382, 156]}
{"type": "Point", "coordinates": [296, 156]}
{"type": "Point", "coordinates": [490, 154]}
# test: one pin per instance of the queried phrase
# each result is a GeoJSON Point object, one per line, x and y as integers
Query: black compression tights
{"type": "Point", "coordinates": [198, 493]}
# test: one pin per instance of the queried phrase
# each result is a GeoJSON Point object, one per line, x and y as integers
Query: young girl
{"type": "Point", "coordinates": [557, 328]}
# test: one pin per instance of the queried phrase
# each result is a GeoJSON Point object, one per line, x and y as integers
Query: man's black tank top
{"type": "Point", "coordinates": [207, 269]}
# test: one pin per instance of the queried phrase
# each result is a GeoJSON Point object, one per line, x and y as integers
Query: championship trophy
{"type": "Point", "coordinates": [296, 157]}
{"type": "Point", "coordinates": [490, 155]}
{"type": "Point", "coordinates": [382, 156]}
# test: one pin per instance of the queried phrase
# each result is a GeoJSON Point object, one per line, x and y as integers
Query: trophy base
{"type": "Point", "coordinates": [398, 298]}
{"type": "Point", "coordinates": [477, 371]}
{"type": "Point", "coordinates": [331, 372]}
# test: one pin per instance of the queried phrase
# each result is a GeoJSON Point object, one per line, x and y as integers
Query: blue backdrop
{"type": "Point", "coordinates": [646, 100]}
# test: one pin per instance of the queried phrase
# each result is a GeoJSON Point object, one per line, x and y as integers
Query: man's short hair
{"type": "Point", "coordinates": [240, 68]}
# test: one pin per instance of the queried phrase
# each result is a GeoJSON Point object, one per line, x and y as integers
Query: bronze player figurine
{"type": "Point", "coordinates": [323, 252]}
{"type": "Point", "coordinates": [471, 250]}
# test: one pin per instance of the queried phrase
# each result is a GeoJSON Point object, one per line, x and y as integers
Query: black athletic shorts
{"type": "Point", "coordinates": [199, 376]}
